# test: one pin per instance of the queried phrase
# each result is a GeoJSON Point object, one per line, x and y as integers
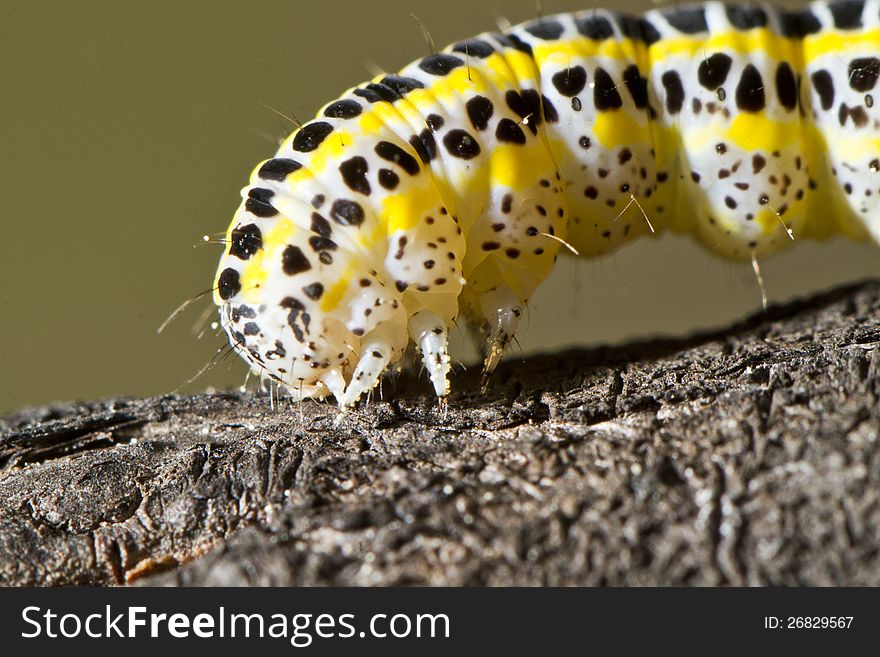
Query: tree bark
{"type": "Point", "coordinates": [743, 457]}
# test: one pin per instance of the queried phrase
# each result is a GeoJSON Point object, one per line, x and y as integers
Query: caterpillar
{"type": "Point", "coordinates": [449, 190]}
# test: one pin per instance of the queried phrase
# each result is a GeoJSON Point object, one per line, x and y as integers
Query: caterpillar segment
{"type": "Point", "coordinates": [448, 189]}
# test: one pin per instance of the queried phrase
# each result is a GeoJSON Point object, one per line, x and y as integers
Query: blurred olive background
{"type": "Point", "coordinates": [128, 128]}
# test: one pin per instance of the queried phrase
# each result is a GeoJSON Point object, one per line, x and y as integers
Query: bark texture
{"type": "Point", "coordinates": [748, 456]}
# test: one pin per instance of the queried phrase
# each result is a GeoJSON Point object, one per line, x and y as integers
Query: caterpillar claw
{"type": "Point", "coordinates": [502, 308]}
{"type": "Point", "coordinates": [429, 333]}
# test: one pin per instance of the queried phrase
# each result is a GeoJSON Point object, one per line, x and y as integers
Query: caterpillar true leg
{"type": "Point", "coordinates": [334, 381]}
{"type": "Point", "coordinates": [429, 332]}
{"type": "Point", "coordinates": [380, 348]}
{"type": "Point", "coordinates": [502, 308]}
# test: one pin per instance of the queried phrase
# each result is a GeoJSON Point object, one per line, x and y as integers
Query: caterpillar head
{"type": "Point", "coordinates": [301, 301]}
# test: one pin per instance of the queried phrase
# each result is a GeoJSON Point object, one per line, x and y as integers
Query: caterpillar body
{"type": "Point", "coordinates": [449, 189]}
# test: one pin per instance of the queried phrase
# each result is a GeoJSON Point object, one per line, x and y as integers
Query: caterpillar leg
{"type": "Point", "coordinates": [428, 331]}
{"type": "Point", "coordinates": [377, 351]}
{"type": "Point", "coordinates": [335, 383]}
{"type": "Point", "coordinates": [502, 308]}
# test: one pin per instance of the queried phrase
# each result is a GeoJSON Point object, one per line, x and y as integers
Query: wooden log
{"type": "Point", "coordinates": [743, 457]}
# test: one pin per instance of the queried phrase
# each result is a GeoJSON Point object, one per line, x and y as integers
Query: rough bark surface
{"type": "Point", "coordinates": [748, 456]}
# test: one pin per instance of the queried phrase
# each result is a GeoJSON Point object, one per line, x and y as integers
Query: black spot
{"type": "Point", "coordinates": [320, 225]}
{"type": "Point", "coordinates": [637, 85]}
{"type": "Point", "coordinates": [576, 104]}
{"type": "Point", "coordinates": [297, 313]}
{"type": "Point", "coordinates": [480, 110]}
{"type": "Point", "coordinates": [512, 253]}
{"type": "Point", "coordinates": [491, 246]}
{"type": "Point", "coordinates": [824, 86]}
{"type": "Point", "coordinates": [730, 202]}
{"type": "Point", "coordinates": [519, 44]}
{"type": "Point", "coordinates": [229, 283]}
{"type": "Point", "coordinates": [750, 95]}
{"type": "Point", "coordinates": [313, 291]}
{"type": "Point", "coordinates": [605, 95]}
{"type": "Point", "coordinates": [629, 26]}
{"type": "Point", "coordinates": [712, 71]}
{"type": "Point", "coordinates": [798, 24]}
{"type": "Point", "coordinates": [294, 261]}
{"type": "Point", "coordinates": [509, 131]}
{"type": "Point", "coordinates": [434, 122]}
{"type": "Point", "coordinates": [439, 64]}
{"type": "Point", "coordinates": [847, 14]}
{"type": "Point", "coordinates": [597, 28]}
{"type": "Point", "coordinates": [251, 328]}
{"type": "Point", "coordinates": [624, 156]}
{"type": "Point", "coordinates": [863, 73]}
{"type": "Point", "coordinates": [591, 192]}
{"type": "Point", "coordinates": [689, 20]}
{"type": "Point", "coordinates": [650, 34]}
{"type": "Point", "coordinates": [311, 135]}
{"type": "Point", "coordinates": [290, 303]}
{"type": "Point", "coordinates": [786, 86]}
{"type": "Point", "coordinates": [745, 17]}
{"type": "Point", "coordinates": [545, 29]}
{"type": "Point", "coordinates": [474, 48]}
{"type": "Point", "coordinates": [461, 143]}
{"type": "Point", "coordinates": [388, 179]}
{"type": "Point", "coordinates": [245, 241]}
{"type": "Point", "coordinates": [343, 109]}
{"type": "Point", "coordinates": [317, 201]}
{"type": "Point", "coordinates": [384, 92]}
{"type": "Point", "coordinates": [347, 213]}
{"type": "Point", "coordinates": [401, 85]}
{"type": "Point", "coordinates": [570, 81]}
{"type": "Point", "coordinates": [258, 202]}
{"type": "Point", "coordinates": [278, 169]}
{"type": "Point", "coordinates": [394, 153]}
{"type": "Point", "coordinates": [401, 285]}
{"type": "Point", "coordinates": [758, 163]}
{"type": "Point", "coordinates": [278, 352]}
{"type": "Point", "coordinates": [550, 114]}
{"type": "Point", "coordinates": [527, 105]}
{"type": "Point", "coordinates": [506, 203]}
{"type": "Point", "coordinates": [369, 95]}
{"type": "Point", "coordinates": [320, 245]}
{"type": "Point", "coordinates": [584, 142]}
{"type": "Point", "coordinates": [354, 174]}
{"type": "Point", "coordinates": [858, 115]}
{"type": "Point", "coordinates": [401, 243]}
{"type": "Point", "coordinates": [243, 311]}
{"type": "Point", "coordinates": [674, 91]}
{"type": "Point", "coordinates": [425, 145]}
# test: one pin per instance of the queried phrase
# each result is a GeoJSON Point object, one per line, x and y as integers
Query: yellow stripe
{"type": "Point", "coordinates": [817, 45]}
{"type": "Point", "coordinates": [332, 296]}
{"type": "Point", "coordinates": [757, 40]}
